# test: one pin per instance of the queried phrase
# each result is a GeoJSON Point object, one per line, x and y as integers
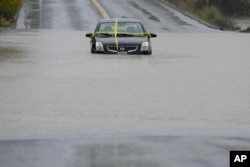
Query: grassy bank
{"type": "Point", "coordinates": [8, 9]}
{"type": "Point", "coordinates": [215, 12]}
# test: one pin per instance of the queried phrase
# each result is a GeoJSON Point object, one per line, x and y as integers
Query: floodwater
{"type": "Point", "coordinates": [51, 79]}
{"type": "Point", "coordinates": [192, 97]}
{"type": "Point", "coordinates": [187, 104]}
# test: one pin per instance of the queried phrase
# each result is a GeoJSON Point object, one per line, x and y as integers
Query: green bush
{"type": "Point", "coordinates": [191, 3]}
{"type": "Point", "coordinates": [212, 13]}
{"type": "Point", "coordinates": [8, 8]}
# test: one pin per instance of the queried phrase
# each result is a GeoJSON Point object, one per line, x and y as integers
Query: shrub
{"type": "Point", "coordinates": [211, 13]}
{"type": "Point", "coordinates": [235, 7]}
{"type": "Point", "coordinates": [8, 8]}
{"type": "Point", "coordinates": [191, 3]}
{"type": "Point", "coordinates": [214, 11]}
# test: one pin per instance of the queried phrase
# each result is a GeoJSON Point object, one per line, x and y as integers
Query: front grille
{"type": "Point", "coordinates": [122, 49]}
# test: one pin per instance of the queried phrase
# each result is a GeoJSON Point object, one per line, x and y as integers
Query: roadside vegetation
{"type": "Point", "coordinates": [8, 9]}
{"type": "Point", "coordinates": [216, 12]}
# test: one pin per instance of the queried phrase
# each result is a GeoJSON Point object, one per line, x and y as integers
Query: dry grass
{"type": "Point", "coordinates": [211, 14]}
{"type": "Point", "coordinates": [5, 22]}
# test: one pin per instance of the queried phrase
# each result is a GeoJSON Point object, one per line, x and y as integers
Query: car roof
{"type": "Point", "coordinates": [119, 20]}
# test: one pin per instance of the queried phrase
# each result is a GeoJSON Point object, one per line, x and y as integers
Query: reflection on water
{"type": "Point", "coordinates": [9, 53]}
{"type": "Point", "coordinates": [116, 155]}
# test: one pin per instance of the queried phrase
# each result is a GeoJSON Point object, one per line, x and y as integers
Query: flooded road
{"type": "Point", "coordinates": [53, 88]}
{"type": "Point", "coordinates": [186, 105]}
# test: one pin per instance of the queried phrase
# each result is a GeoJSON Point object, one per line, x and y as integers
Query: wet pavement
{"type": "Point", "coordinates": [58, 14]}
{"type": "Point", "coordinates": [83, 15]}
{"type": "Point", "coordinates": [155, 14]}
{"type": "Point", "coordinates": [147, 151]}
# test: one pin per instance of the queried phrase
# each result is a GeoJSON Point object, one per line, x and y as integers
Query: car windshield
{"type": "Point", "coordinates": [124, 29]}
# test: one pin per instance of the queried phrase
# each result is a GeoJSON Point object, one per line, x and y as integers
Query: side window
{"type": "Point", "coordinates": [139, 28]}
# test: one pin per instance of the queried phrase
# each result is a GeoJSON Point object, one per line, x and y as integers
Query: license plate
{"type": "Point", "coordinates": [122, 53]}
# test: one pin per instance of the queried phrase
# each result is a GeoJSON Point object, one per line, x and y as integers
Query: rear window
{"type": "Point", "coordinates": [122, 27]}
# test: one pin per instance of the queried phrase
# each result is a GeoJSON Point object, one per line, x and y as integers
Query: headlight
{"type": "Point", "coordinates": [99, 46]}
{"type": "Point", "coordinates": [145, 46]}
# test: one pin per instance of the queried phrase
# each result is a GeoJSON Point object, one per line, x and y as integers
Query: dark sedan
{"type": "Point", "coordinates": [120, 36]}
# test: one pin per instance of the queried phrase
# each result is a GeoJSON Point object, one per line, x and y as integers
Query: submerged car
{"type": "Point", "coordinates": [120, 36]}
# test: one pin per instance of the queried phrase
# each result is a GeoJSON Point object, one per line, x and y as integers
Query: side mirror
{"type": "Point", "coordinates": [152, 35]}
{"type": "Point", "coordinates": [89, 35]}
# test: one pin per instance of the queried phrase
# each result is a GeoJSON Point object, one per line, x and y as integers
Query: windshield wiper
{"type": "Point", "coordinates": [129, 35]}
{"type": "Point", "coordinates": [105, 34]}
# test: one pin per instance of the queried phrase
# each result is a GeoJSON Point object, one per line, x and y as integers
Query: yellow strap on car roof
{"type": "Point", "coordinates": [132, 33]}
{"type": "Point", "coordinates": [115, 32]}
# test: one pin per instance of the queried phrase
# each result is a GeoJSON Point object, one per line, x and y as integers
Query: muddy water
{"type": "Point", "coordinates": [58, 87]}
{"type": "Point", "coordinates": [194, 87]}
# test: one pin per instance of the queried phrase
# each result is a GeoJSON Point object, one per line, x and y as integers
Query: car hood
{"type": "Point", "coordinates": [122, 40]}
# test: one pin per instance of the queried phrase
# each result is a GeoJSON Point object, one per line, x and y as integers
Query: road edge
{"type": "Point", "coordinates": [189, 15]}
